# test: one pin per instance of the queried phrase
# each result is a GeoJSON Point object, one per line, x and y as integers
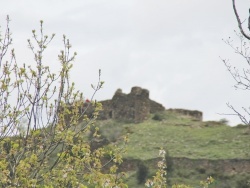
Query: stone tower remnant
{"type": "Point", "coordinates": [133, 107]}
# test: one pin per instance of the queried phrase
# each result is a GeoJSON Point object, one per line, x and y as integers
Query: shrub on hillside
{"type": "Point", "coordinates": [224, 121]}
{"type": "Point", "coordinates": [240, 126]}
{"type": "Point", "coordinates": [158, 117]}
{"type": "Point", "coordinates": [142, 173]}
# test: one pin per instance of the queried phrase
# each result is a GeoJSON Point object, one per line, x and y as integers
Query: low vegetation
{"type": "Point", "coordinates": [182, 137]}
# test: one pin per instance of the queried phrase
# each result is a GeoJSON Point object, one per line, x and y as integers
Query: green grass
{"type": "Point", "coordinates": [182, 137]}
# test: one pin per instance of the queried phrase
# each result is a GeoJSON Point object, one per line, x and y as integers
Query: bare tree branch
{"type": "Point", "coordinates": [249, 21]}
{"type": "Point", "coordinates": [240, 23]}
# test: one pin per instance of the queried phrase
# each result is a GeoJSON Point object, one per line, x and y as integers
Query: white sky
{"type": "Point", "coordinates": [172, 48]}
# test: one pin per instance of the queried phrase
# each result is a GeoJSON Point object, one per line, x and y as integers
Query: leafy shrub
{"type": "Point", "coordinates": [158, 117]}
{"type": "Point", "coordinates": [201, 170]}
{"type": "Point", "coordinates": [142, 173]}
{"type": "Point", "coordinates": [240, 126]}
{"type": "Point", "coordinates": [243, 183]}
{"type": "Point", "coordinates": [224, 121]}
{"type": "Point", "coordinates": [169, 162]}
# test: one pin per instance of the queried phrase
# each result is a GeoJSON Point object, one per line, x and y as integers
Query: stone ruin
{"type": "Point", "coordinates": [133, 107]}
{"type": "Point", "coordinates": [194, 114]}
{"type": "Point", "coordinates": [136, 107]}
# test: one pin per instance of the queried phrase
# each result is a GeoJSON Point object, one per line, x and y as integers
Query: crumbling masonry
{"type": "Point", "coordinates": [135, 107]}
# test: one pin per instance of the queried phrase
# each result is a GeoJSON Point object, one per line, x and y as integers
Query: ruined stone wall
{"type": "Point", "coordinates": [136, 107]}
{"type": "Point", "coordinates": [140, 99]}
{"type": "Point", "coordinates": [133, 107]}
{"type": "Point", "coordinates": [122, 107]}
{"type": "Point", "coordinates": [155, 107]}
{"type": "Point", "coordinates": [195, 114]}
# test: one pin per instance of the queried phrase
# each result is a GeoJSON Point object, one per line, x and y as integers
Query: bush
{"type": "Point", "coordinates": [243, 183]}
{"type": "Point", "coordinates": [224, 121]}
{"type": "Point", "coordinates": [201, 170]}
{"type": "Point", "coordinates": [158, 117]}
{"type": "Point", "coordinates": [142, 173]}
{"type": "Point", "coordinates": [240, 126]}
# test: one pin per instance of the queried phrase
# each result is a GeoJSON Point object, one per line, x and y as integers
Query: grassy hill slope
{"type": "Point", "coordinates": [183, 137]}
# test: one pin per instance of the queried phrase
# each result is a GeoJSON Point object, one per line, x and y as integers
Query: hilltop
{"type": "Point", "coordinates": [196, 148]}
{"type": "Point", "coordinates": [135, 107]}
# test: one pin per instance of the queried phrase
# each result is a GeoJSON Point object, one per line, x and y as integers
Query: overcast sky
{"type": "Point", "coordinates": [172, 48]}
